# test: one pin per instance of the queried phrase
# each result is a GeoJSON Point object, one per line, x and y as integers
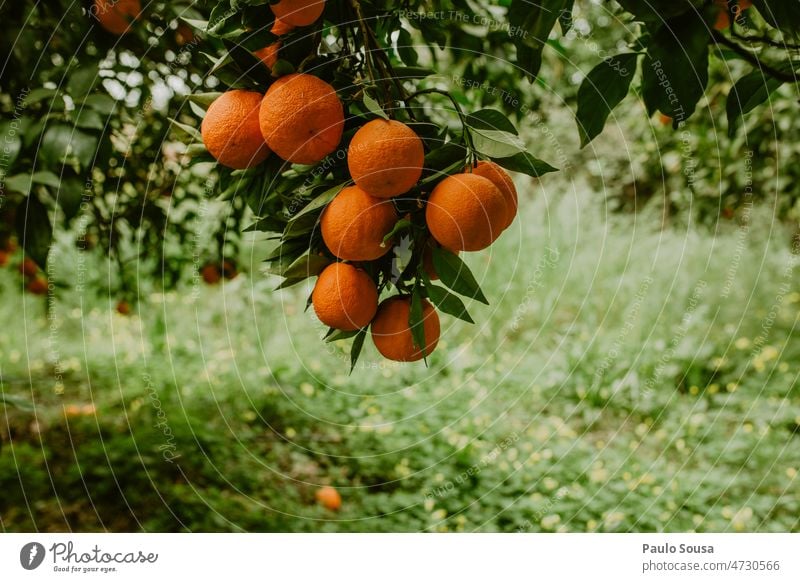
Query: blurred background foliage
{"type": "Point", "coordinates": [202, 408]}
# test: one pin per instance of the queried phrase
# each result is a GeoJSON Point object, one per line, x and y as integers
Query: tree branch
{"type": "Point", "coordinates": [786, 77]}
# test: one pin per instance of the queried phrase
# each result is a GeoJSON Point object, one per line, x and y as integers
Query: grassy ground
{"type": "Point", "coordinates": [624, 378]}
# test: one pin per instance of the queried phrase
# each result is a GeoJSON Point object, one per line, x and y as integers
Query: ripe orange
{"type": "Point", "coordinates": [391, 332]}
{"type": "Point", "coordinates": [385, 158]}
{"type": "Point", "coordinates": [345, 297]}
{"type": "Point", "coordinates": [466, 212]}
{"type": "Point", "coordinates": [211, 273]}
{"type": "Point", "coordinates": [123, 307]}
{"type": "Point", "coordinates": [329, 498]}
{"type": "Point", "coordinates": [269, 54]}
{"type": "Point", "coordinates": [723, 17]}
{"type": "Point", "coordinates": [301, 118]}
{"type": "Point", "coordinates": [354, 224]}
{"type": "Point", "coordinates": [279, 27]}
{"type": "Point", "coordinates": [230, 130]}
{"type": "Point", "coordinates": [116, 16]}
{"type": "Point", "coordinates": [500, 178]}
{"type": "Point", "coordinates": [28, 267]}
{"type": "Point", "coordinates": [298, 12]}
{"type": "Point", "coordinates": [37, 286]}
{"type": "Point", "coordinates": [427, 261]}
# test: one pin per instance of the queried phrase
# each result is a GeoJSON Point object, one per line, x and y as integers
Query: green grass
{"type": "Point", "coordinates": [624, 378]}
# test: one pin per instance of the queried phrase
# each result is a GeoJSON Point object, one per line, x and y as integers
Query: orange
{"type": "Point", "coordinates": [385, 158]}
{"type": "Point", "coordinates": [723, 17]}
{"type": "Point", "coordinates": [123, 307]}
{"type": "Point", "coordinates": [37, 286]}
{"type": "Point", "coordinates": [28, 267]}
{"type": "Point", "coordinates": [466, 212]}
{"type": "Point", "coordinates": [230, 130]}
{"type": "Point", "coordinates": [301, 118]}
{"type": "Point", "coordinates": [279, 27]}
{"type": "Point", "coordinates": [329, 498]}
{"type": "Point", "coordinates": [298, 12]}
{"type": "Point", "coordinates": [427, 261]}
{"type": "Point", "coordinates": [269, 54]}
{"type": "Point", "coordinates": [211, 273]}
{"type": "Point", "coordinates": [354, 223]}
{"type": "Point", "coordinates": [664, 119]}
{"type": "Point", "coordinates": [500, 178]}
{"type": "Point", "coordinates": [345, 297]}
{"type": "Point", "coordinates": [3, 258]}
{"type": "Point", "coordinates": [116, 16]}
{"type": "Point", "coordinates": [391, 332]}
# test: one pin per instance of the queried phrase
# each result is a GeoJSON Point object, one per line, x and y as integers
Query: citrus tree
{"type": "Point", "coordinates": [332, 128]}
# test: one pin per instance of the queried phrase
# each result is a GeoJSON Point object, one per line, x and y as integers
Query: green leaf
{"type": "Point", "coordinates": [603, 88]}
{"type": "Point", "coordinates": [23, 183]}
{"type": "Point", "coordinates": [355, 349]}
{"type": "Point", "coordinates": [675, 70]}
{"type": "Point", "coordinates": [320, 201]}
{"type": "Point", "coordinates": [374, 107]}
{"type": "Point", "coordinates": [15, 401]}
{"type": "Point", "coordinates": [82, 81]}
{"type": "Point", "coordinates": [495, 143]}
{"type": "Point", "coordinates": [405, 48]}
{"type": "Point", "coordinates": [34, 229]}
{"type": "Point", "coordinates": [204, 99]}
{"type": "Point", "coordinates": [62, 142]}
{"type": "Point", "coordinates": [401, 225]}
{"type": "Point", "coordinates": [335, 335]}
{"type": "Point", "coordinates": [533, 22]}
{"type": "Point", "coordinates": [103, 104]}
{"type": "Point", "coordinates": [748, 93]}
{"type": "Point", "coordinates": [69, 196]}
{"type": "Point", "coordinates": [192, 131]}
{"type": "Point", "coordinates": [445, 156]}
{"type": "Point", "coordinates": [415, 320]}
{"type": "Point", "coordinates": [89, 119]}
{"type": "Point", "coordinates": [781, 14]}
{"type": "Point", "coordinates": [37, 95]}
{"type": "Point", "coordinates": [491, 119]}
{"type": "Point", "coordinates": [224, 22]}
{"type": "Point", "coordinates": [266, 224]}
{"type": "Point", "coordinates": [447, 302]}
{"type": "Point", "coordinates": [454, 274]}
{"type": "Point", "coordinates": [306, 266]}
{"type": "Point", "coordinates": [11, 146]}
{"type": "Point", "coordinates": [525, 163]}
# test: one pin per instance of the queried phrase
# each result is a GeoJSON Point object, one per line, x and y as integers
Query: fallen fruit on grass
{"type": "Point", "coordinates": [329, 498]}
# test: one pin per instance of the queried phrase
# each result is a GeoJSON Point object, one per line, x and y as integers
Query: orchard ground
{"type": "Point", "coordinates": [625, 378]}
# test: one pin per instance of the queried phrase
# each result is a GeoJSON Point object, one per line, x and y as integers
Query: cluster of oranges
{"type": "Point", "coordinates": [301, 120]}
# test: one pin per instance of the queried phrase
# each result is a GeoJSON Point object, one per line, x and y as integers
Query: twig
{"type": "Point", "coordinates": [754, 60]}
